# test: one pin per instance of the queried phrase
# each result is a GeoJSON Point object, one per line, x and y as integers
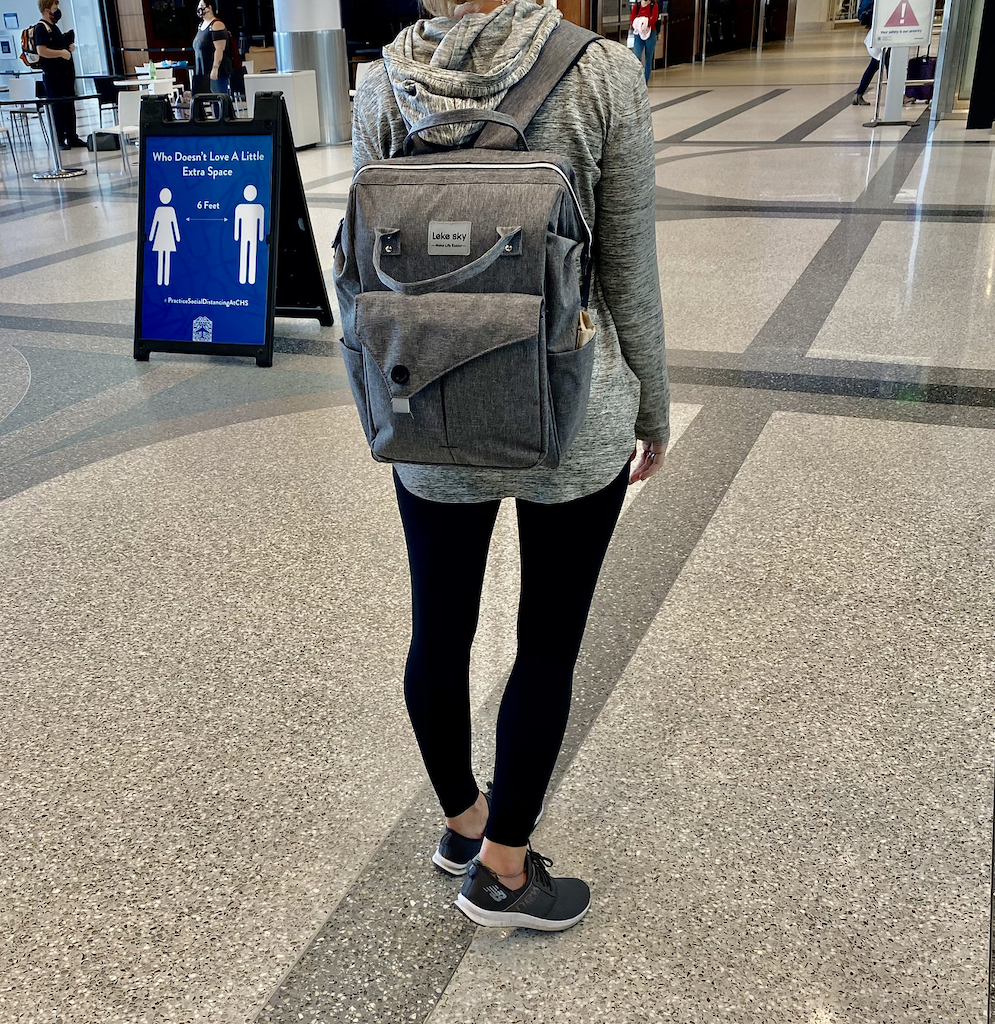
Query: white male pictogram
{"type": "Point", "coordinates": [165, 234]}
{"type": "Point", "coordinates": [250, 219]}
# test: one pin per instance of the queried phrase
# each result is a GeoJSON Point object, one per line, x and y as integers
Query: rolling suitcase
{"type": "Point", "coordinates": [921, 67]}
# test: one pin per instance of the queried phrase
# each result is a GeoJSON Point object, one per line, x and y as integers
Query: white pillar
{"type": "Point", "coordinates": [898, 71]}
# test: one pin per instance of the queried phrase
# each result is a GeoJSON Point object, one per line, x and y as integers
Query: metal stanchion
{"type": "Point", "coordinates": [58, 172]}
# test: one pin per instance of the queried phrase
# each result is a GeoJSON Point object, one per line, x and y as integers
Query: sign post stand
{"type": "Point", "coordinates": [898, 25]}
{"type": "Point", "coordinates": [224, 235]}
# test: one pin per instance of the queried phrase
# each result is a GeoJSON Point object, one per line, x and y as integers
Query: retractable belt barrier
{"type": "Point", "coordinates": [224, 235]}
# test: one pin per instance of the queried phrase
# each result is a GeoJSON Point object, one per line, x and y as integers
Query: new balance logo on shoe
{"type": "Point", "coordinates": [495, 892]}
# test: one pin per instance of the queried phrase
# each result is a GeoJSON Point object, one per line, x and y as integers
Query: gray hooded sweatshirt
{"type": "Point", "coordinates": [598, 117]}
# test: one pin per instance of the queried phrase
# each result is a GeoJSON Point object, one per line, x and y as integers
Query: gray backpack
{"type": "Point", "coordinates": [463, 279]}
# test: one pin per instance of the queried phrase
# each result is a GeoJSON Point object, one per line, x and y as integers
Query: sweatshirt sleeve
{"type": "Point", "coordinates": [625, 249]}
{"type": "Point", "coordinates": [375, 136]}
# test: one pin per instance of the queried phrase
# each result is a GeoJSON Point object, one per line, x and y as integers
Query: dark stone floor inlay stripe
{"type": "Point", "coordinates": [849, 387]}
{"type": "Point", "coordinates": [817, 120]}
{"type": "Point", "coordinates": [67, 254]}
{"type": "Point", "coordinates": [49, 325]}
{"type": "Point", "coordinates": [727, 115]}
{"type": "Point", "coordinates": [679, 99]}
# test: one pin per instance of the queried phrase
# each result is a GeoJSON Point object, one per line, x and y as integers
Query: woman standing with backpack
{"type": "Point", "coordinates": [644, 38]}
{"type": "Point", "coordinates": [469, 56]}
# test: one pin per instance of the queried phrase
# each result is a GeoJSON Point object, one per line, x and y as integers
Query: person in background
{"type": "Point", "coordinates": [466, 55]}
{"type": "Point", "coordinates": [870, 71]}
{"type": "Point", "coordinates": [212, 63]}
{"type": "Point", "coordinates": [56, 53]}
{"type": "Point", "coordinates": [644, 36]}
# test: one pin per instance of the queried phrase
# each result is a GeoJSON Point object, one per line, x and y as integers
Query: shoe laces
{"type": "Point", "coordinates": [540, 865]}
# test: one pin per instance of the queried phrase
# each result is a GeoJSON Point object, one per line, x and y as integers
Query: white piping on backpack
{"type": "Point", "coordinates": [500, 167]}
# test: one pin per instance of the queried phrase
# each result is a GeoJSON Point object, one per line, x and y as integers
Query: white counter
{"type": "Point", "coordinates": [300, 93]}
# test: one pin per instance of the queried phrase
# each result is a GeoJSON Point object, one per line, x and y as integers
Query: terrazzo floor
{"type": "Point", "coordinates": [778, 775]}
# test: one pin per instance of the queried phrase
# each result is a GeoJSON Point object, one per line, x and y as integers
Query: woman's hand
{"type": "Point", "coordinates": [646, 460]}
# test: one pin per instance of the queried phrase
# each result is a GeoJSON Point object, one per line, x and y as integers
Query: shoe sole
{"type": "Point", "coordinates": [494, 919]}
{"type": "Point", "coordinates": [454, 869]}
{"type": "Point", "coordinates": [450, 867]}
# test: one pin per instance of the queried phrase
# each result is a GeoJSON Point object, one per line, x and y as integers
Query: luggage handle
{"type": "Point", "coordinates": [505, 245]}
{"type": "Point", "coordinates": [467, 116]}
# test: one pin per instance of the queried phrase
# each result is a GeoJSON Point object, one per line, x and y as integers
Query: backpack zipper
{"type": "Point", "coordinates": [502, 167]}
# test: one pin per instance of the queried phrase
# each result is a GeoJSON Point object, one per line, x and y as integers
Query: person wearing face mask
{"type": "Point", "coordinates": [212, 64]}
{"type": "Point", "coordinates": [56, 52]}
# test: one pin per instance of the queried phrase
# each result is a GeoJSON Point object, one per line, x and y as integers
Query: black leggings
{"type": "Point", "coordinates": [562, 549]}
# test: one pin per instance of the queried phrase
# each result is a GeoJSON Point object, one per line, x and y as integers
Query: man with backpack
{"type": "Point", "coordinates": [55, 52]}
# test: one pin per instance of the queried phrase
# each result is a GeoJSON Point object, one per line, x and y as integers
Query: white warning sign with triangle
{"type": "Point", "coordinates": [904, 15]}
{"type": "Point", "coordinates": [902, 22]}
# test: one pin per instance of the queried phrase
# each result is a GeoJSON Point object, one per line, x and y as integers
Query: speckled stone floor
{"type": "Point", "coordinates": [778, 774]}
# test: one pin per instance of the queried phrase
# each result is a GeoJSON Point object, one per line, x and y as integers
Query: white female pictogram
{"type": "Point", "coordinates": [249, 220]}
{"type": "Point", "coordinates": [165, 234]}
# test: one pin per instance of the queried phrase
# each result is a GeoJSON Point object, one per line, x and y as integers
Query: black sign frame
{"type": "Point", "coordinates": [295, 285]}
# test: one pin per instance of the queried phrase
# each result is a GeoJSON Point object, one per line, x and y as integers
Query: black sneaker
{"type": "Point", "coordinates": [455, 852]}
{"type": "Point", "coordinates": [544, 903]}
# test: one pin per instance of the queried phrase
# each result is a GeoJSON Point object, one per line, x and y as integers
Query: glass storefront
{"type": "Point", "coordinates": [969, 62]}
{"type": "Point", "coordinates": [86, 18]}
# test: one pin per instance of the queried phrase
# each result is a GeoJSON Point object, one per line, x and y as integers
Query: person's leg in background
{"type": "Point", "coordinates": [869, 72]}
{"type": "Point", "coordinates": [63, 114]}
{"type": "Point", "coordinates": [562, 549]}
{"type": "Point", "coordinates": [639, 51]}
{"type": "Point", "coordinates": [649, 54]}
{"type": "Point", "coordinates": [220, 86]}
{"type": "Point", "coordinates": [447, 554]}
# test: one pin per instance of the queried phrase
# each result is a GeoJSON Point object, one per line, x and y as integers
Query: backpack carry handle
{"type": "Point", "coordinates": [461, 117]}
{"type": "Point", "coordinates": [505, 245]}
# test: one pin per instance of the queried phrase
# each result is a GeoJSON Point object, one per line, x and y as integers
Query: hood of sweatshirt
{"type": "Point", "coordinates": [445, 64]}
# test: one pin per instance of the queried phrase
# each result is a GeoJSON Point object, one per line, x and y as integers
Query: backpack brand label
{"type": "Point", "coordinates": [449, 238]}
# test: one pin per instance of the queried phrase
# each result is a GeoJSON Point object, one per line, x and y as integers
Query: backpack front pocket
{"type": "Point", "coordinates": [455, 378]}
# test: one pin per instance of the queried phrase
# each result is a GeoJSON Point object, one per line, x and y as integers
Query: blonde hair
{"type": "Point", "coordinates": [439, 8]}
{"type": "Point", "coordinates": [45, 5]}
{"type": "Point", "coordinates": [448, 8]}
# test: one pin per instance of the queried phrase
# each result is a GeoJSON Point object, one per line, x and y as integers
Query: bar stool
{"type": "Point", "coordinates": [6, 137]}
{"type": "Point", "coordinates": [129, 106]}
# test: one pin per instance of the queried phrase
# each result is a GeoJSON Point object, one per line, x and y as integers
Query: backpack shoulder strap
{"type": "Point", "coordinates": [560, 52]}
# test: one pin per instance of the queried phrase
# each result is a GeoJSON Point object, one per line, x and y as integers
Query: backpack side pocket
{"type": "Point", "coordinates": [356, 370]}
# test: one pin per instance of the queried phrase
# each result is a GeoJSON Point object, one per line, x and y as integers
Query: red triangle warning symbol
{"type": "Point", "coordinates": [904, 16]}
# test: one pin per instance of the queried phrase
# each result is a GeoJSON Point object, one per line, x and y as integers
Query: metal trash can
{"type": "Point", "coordinates": [325, 53]}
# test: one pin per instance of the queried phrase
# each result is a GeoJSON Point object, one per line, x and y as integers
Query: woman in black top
{"type": "Point", "coordinates": [212, 65]}
{"type": "Point", "coordinates": [56, 60]}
